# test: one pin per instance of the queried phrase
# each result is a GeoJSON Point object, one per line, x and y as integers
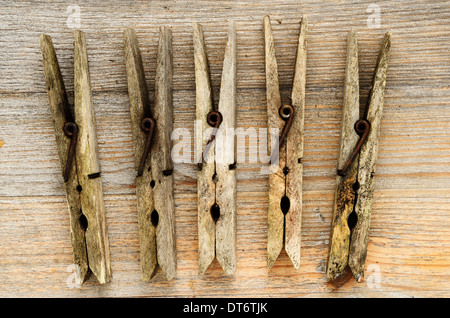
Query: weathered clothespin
{"type": "Point", "coordinates": [285, 180]}
{"type": "Point", "coordinates": [216, 162]}
{"type": "Point", "coordinates": [78, 154]}
{"type": "Point", "coordinates": [152, 129]}
{"type": "Point", "coordinates": [356, 166]}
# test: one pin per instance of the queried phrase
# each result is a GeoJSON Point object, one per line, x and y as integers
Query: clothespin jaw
{"type": "Point", "coordinates": [285, 182]}
{"type": "Point", "coordinates": [216, 157]}
{"type": "Point", "coordinates": [151, 129]}
{"type": "Point", "coordinates": [356, 166]}
{"type": "Point", "coordinates": [77, 149]}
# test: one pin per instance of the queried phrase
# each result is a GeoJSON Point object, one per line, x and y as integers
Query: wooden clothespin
{"type": "Point", "coordinates": [285, 180]}
{"type": "Point", "coordinates": [356, 166]}
{"type": "Point", "coordinates": [152, 129]}
{"type": "Point", "coordinates": [216, 164]}
{"type": "Point", "coordinates": [78, 154]}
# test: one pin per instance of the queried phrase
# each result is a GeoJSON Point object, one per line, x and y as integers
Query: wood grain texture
{"type": "Point", "coordinates": [408, 252]}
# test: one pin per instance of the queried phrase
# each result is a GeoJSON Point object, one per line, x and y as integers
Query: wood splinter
{"type": "Point", "coordinates": [216, 157]}
{"type": "Point", "coordinates": [356, 166]}
{"type": "Point", "coordinates": [285, 177]}
{"type": "Point", "coordinates": [76, 141]}
{"type": "Point", "coordinates": [151, 129]}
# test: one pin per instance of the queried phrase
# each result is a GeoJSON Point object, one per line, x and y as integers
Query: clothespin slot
{"type": "Point", "coordinates": [356, 166]}
{"type": "Point", "coordinates": [216, 173]}
{"type": "Point", "coordinates": [76, 141]}
{"type": "Point", "coordinates": [151, 130]}
{"type": "Point", "coordinates": [285, 180]}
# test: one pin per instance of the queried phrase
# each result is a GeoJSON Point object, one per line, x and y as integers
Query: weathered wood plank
{"type": "Point", "coordinates": [409, 236]}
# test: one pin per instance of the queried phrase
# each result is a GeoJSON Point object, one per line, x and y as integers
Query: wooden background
{"type": "Point", "coordinates": [409, 246]}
